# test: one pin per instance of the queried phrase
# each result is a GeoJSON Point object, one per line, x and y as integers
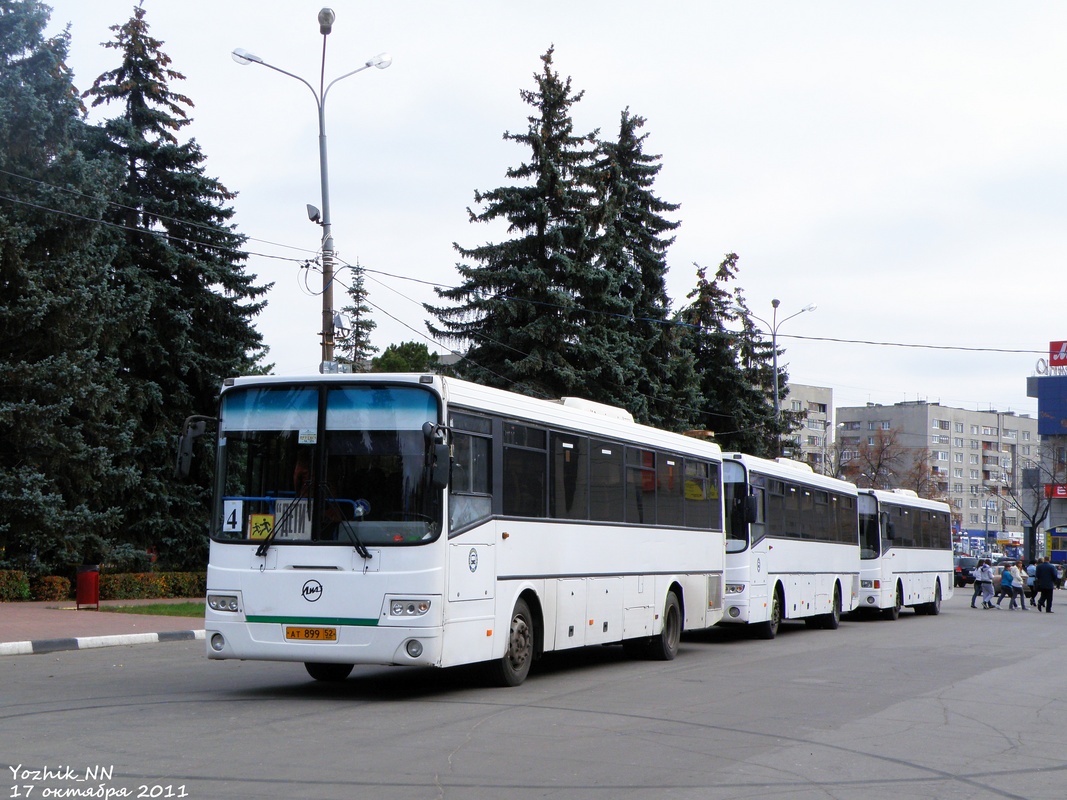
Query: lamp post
{"type": "Point", "coordinates": [772, 328]}
{"type": "Point", "coordinates": [381, 61]}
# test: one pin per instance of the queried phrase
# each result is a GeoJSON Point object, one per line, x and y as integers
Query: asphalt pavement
{"type": "Point", "coordinates": [48, 627]}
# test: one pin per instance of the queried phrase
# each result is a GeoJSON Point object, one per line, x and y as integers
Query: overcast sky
{"type": "Point", "coordinates": [901, 165]}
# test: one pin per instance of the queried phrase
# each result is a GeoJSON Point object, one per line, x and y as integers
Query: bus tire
{"type": "Point", "coordinates": [832, 621]}
{"type": "Point", "coordinates": [934, 608]}
{"type": "Point", "coordinates": [512, 668]}
{"type": "Point", "coordinates": [329, 673]}
{"type": "Point", "coordinates": [664, 647]}
{"type": "Point", "coordinates": [898, 601]}
{"type": "Point", "coordinates": [769, 629]}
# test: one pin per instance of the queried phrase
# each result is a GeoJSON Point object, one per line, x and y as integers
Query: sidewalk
{"type": "Point", "coordinates": [48, 627]}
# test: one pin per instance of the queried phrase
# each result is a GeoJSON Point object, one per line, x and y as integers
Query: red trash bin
{"type": "Point", "coordinates": [88, 592]}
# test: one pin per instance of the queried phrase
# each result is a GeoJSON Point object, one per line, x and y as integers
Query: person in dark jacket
{"type": "Point", "coordinates": [1045, 583]}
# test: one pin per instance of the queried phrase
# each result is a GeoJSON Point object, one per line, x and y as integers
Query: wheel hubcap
{"type": "Point", "coordinates": [520, 644]}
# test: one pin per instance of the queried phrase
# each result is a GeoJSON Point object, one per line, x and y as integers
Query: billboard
{"type": "Point", "coordinates": [1052, 405]}
{"type": "Point", "coordinates": [1057, 354]}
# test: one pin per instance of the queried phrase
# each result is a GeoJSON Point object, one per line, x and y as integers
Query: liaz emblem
{"type": "Point", "coordinates": [312, 591]}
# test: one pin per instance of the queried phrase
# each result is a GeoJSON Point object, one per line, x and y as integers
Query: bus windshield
{"type": "Point", "coordinates": [735, 490]}
{"type": "Point", "coordinates": [337, 464]}
{"type": "Point", "coordinates": [870, 533]}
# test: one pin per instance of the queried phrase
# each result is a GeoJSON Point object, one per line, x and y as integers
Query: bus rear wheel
{"type": "Point", "coordinates": [664, 647]}
{"type": "Point", "coordinates": [832, 621]}
{"type": "Point", "coordinates": [330, 673]}
{"type": "Point", "coordinates": [513, 667]}
{"type": "Point", "coordinates": [933, 608]}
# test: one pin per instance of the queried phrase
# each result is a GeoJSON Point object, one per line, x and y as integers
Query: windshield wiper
{"type": "Point", "coordinates": [264, 546]}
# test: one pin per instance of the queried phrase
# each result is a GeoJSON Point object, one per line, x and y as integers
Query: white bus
{"type": "Point", "coordinates": [905, 552]}
{"type": "Point", "coordinates": [420, 520]}
{"type": "Point", "coordinates": [792, 544]}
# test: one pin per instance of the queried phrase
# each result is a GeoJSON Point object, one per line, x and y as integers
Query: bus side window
{"type": "Point", "coordinates": [470, 498]}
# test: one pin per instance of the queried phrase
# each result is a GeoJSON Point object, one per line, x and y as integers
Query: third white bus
{"type": "Point", "coordinates": [792, 544]}
{"type": "Point", "coordinates": [905, 552]}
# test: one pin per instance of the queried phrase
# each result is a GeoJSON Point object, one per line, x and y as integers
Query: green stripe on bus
{"type": "Point", "coordinates": [366, 623]}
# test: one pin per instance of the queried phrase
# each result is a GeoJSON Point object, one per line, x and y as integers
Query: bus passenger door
{"type": "Point", "coordinates": [759, 606]}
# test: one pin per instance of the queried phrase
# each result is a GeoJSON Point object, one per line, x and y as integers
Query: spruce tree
{"type": "Point", "coordinates": [61, 419]}
{"type": "Point", "coordinates": [734, 401]}
{"type": "Point", "coordinates": [627, 327]}
{"type": "Point", "coordinates": [517, 308]}
{"type": "Point", "coordinates": [186, 320]}
{"type": "Point", "coordinates": [353, 341]}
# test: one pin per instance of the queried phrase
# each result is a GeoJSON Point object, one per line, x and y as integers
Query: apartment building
{"type": "Point", "coordinates": [966, 458]}
{"type": "Point", "coordinates": [812, 442]}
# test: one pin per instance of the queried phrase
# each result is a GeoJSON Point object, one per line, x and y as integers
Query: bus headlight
{"type": "Point", "coordinates": [223, 602]}
{"type": "Point", "coordinates": [408, 608]}
{"type": "Point", "coordinates": [735, 588]}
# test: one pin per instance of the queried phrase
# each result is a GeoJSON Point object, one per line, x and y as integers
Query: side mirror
{"type": "Point", "coordinates": [192, 430]}
{"type": "Point", "coordinates": [439, 454]}
{"type": "Point", "coordinates": [891, 531]}
{"type": "Point", "coordinates": [442, 466]}
{"type": "Point", "coordinates": [751, 509]}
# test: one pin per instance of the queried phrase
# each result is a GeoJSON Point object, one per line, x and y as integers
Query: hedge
{"type": "Point", "coordinates": [50, 587]}
{"type": "Point", "coordinates": [15, 585]}
{"type": "Point", "coordinates": [147, 585]}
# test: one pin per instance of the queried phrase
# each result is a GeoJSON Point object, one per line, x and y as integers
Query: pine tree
{"type": "Point", "coordinates": [60, 401]}
{"type": "Point", "coordinates": [627, 328]}
{"type": "Point", "coordinates": [353, 341]}
{"type": "Point", "coordinates": [186, 321]}
{"type": "Point", "coordinates": [517, 309]}
{"type": "Point", "coordinates": [734, 401]}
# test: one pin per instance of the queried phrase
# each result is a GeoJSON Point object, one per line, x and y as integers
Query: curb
{"type": "Point", "coordinates": [40, 646]}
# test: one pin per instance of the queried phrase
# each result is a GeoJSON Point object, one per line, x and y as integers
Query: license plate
{"type": "Point", "coordinates": [311, 634]}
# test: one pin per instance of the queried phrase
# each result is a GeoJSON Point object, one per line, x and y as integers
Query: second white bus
{"type": "Point", "coordinates": [792, 544]}
{"type": "Point", "coordinates": [905, 552]}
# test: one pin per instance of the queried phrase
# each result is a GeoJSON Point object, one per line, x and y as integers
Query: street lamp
{"type": "Point", "coordinates": [381, 61]}
{"type": "Point", "coordinates": [772, 328]}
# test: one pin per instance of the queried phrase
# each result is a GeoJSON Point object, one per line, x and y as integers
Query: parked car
{"type": "Point", "coordinates": [965, 569]}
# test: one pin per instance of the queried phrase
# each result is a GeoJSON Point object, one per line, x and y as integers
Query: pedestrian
{"type": "Point", "coordinates": [984, 575]}
{"type": "Point", "coordinates": [1018, 579]}
{"type": "Point", "coordinates": [1045, 583]}
{"type": "Point", "coordinates": [1031, 571]}
{"type": "Point", "coordinates": [977, 583]}
{"type": "Point", "coordinates": [1003, 585]}
{"type": "Point", "coordinates": [1007, 586]}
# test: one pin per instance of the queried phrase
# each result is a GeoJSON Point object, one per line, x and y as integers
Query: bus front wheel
{"type": "Point", "coordinates": [769, 629]}
{"type": "Point", "coordinates": [898, 601]}
{"type": "Point", "coordinates": [513, 667]}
